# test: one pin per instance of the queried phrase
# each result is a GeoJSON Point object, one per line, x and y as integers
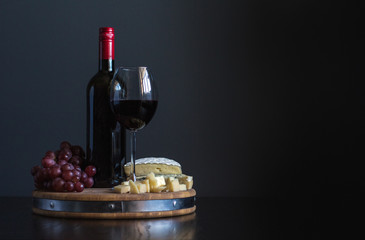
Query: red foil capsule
{"type": "Point", "coordinates": [106, 42]}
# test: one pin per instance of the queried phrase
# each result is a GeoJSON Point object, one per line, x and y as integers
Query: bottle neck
{"type": "Point", "coordinates": [106, 65]}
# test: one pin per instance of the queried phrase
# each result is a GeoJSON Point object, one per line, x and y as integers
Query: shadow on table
{"type": "Point", "coordinates": [181, 227]}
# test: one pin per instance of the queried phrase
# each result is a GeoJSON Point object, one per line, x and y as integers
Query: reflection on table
{"type": "Point", "coordinates": [182, 227]}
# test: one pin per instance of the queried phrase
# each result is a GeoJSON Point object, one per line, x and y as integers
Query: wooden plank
{"type": "Point", "coordinates": [106, 194]}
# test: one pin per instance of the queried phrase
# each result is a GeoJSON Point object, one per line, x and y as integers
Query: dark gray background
{"type": "Point", "coordinates": [257, 98]}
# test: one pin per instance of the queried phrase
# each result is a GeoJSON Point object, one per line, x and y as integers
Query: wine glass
{"type": "Point", "coordinates": [133, 99]}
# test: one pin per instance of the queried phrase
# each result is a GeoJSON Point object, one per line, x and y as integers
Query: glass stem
{"type": "Point", "coordinates": [133, 155]}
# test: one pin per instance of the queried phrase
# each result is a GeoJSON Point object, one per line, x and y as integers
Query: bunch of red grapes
{"type": "Point", "coordinates": [61, 170]}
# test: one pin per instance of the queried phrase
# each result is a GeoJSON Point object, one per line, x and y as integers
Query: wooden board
{"type": "Point", "coordinates": [107, 195]}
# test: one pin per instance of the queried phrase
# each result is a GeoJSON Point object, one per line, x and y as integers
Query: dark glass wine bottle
{"type": "Point", "coordinates": [105, 136]}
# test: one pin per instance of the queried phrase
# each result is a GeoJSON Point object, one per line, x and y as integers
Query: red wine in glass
{"type": "Point", "coordinates": [134, 114]}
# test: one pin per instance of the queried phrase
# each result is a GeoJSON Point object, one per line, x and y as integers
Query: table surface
{"type": "Point", "coordinates": [215, 218]}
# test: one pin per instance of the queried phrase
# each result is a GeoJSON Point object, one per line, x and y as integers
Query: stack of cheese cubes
{"type": "Point", "coordinates": [156, 184]}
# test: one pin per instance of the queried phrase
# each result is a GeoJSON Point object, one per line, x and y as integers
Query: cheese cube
{"type": "Point", "coordinates": [155, 182]}
{"type": "Point", "coordinates": [152, 180]}
{"type": "Point", "coordinates": [142, 188]}
{"type": "Point", "coordinates": [158, 189]}
{"type": "Point", "coordinates": [151, 175]}
{"type": "Point", "coordinates": [147, 183]}
{"type": "Point", "coordinates": [169, 179]}
{"type": "Point", "coordinates": [189, 185]}
{"type": "Point", "coordinates": [182, 187]}
{"type": "Point", "coordinates": [160, 181]}
{"type": "Point", "coordinates": [122, 189]}
{"type": "Point", "coordinates": [133, 186]}
{"type": "Point", "coordinates": [174, 186]}
{"type": "Point", "coordinates": [125, 183]}
{"type": "Point", "coordinates": [188, 181]}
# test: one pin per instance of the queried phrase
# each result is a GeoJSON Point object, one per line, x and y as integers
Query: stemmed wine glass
{"type": "Point", "coordinates": [133, 99]}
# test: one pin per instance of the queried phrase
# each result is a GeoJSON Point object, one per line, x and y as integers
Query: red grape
{"type": "Point", "coordinates": [49, 185]}
{"type": "Point", "coordinates": [89, 182]}
{"type": "Point", "coordinates": [38, 177]}
{"type": "Point", "coordinates": [55, 172]}
{"type": "Point", "coordinates": [76, 172]}
{"type": "Point", "coordinates": [79, 187]}
{"type": "Point", "coordinates": [45, 184]}
{"type": "Point", "coordinates": [65, 144]}
{"type": "Point", "coordinates": [75, 179]}
{"type": "Point", "coordinates": [35, 170]}
{"type": "Point", "coordinates": [48, 162]}
{"type": "Point", "coordinates": [44, 173]}
{"type": "Point", "coordinates": [60, 170]}
{"type": "Point", "coordinates": [67, 175]}
{"type": "Point", "coordinates": [83, 176]}
{"type": "Point", "coordinates": [77, 150]}
{"type": "Point", "coordinates": [65, 154]}
{"type": "Point", "coordinates": [50, 154]}
{"type": "Point", "coordinates": [90, 170]}
{"type": "Point", "coordinates": [69, 186]}
{"type": "Point", "coordinates": [67, 167]}
{"type": "Point", "coordinates": [75, 160]}
{"type": "Point", "coordinates": [58, 185]}
{"type": "Point", "coordinates": [62, 162]}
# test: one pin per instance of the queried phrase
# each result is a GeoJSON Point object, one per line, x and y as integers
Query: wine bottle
{"type": "Point", "coordinates": [105, 136]}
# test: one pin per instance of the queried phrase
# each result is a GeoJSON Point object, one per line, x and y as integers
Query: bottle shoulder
{"type": "Point", "coordinates": [101, 78]}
